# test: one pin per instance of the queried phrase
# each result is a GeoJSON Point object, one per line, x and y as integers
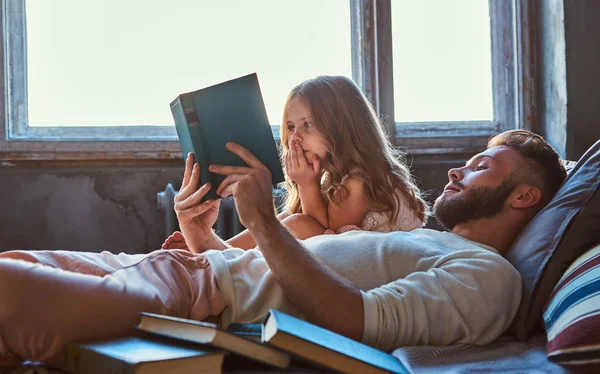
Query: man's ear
{"type": "Point", "coordinates": [525, 196]}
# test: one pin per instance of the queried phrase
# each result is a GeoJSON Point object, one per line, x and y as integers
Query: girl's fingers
{"type": "Point", "coordinates": [302, 162]}
{"type": "Point", "coordinates": [294, 158]}
{"type": "Point", "coordinates": [316, 164]}
{"type": "Point", "coordinates": [288, 167]}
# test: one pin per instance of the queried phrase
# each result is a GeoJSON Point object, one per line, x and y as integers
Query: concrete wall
{"type": "Point", "coordinates": [114, 209]}
{"type": "Point", "coordinates": [88, 209]}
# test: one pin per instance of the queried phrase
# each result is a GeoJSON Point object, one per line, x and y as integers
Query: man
{"type": "Point", "coordinates": [388, 290]}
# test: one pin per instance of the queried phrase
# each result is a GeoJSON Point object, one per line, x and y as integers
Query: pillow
{"type": "Point", "coordinates": [572, 316]}
{"type": "Point", "coordinates": [567, 227]}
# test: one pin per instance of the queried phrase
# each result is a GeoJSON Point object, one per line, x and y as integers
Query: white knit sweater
{"type": "Point", "coordinates": [423, 287]}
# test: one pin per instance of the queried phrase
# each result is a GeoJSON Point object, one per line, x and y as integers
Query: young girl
{"type": "Point", "coordinates": [342, 173]}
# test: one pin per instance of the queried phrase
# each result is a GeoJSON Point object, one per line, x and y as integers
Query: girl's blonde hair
{"type": "Point", "coordinates": [357, 146]}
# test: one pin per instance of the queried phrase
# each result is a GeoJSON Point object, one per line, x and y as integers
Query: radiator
{"type": "Point", "coordinates": [227, 225]}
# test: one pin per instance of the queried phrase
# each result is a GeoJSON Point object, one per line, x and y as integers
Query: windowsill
{"type": "Point", "coordinates": [419, 139]}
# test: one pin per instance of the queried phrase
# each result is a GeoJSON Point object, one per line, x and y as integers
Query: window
{"type": "Point", "coordinates": [430, 117]}
{"type": "Point", "coordinates": [89, 76]}
{"type": "Point", "coordinates": [97, 85]}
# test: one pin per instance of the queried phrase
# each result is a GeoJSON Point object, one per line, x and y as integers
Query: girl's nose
{"type": "Point", "coordinates": [296, 137]}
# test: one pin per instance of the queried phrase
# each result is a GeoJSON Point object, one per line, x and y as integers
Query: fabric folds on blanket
{"type": "Point", "coordinates": [505, 355]}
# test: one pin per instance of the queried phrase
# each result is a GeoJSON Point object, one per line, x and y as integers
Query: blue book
{"type": "Point", "coordinates": [132, 355]}
{"type": "Point", "coordinates": [232, 111]}
{"type": "Point", "coordinates": [211, 335]}
{"type": "Point", "coordinates": [324, 347]}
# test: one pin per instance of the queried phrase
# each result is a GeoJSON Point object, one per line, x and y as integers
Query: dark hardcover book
{"type": "Point", "coordinates": [232, 111]}
{"type": "Point", "coordinates": [251, 331]}
{"type": "Point", "coordinates": [138, 355]}
{"type": "Point", "coordinates": [211, 335]}
{"type": "Point", "coordinates": [325, 347]}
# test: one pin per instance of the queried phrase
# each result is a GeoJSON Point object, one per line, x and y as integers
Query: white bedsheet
{"type": "Point", "coordinates": [505, 355]}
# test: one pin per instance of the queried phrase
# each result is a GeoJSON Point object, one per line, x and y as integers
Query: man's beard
{"type": "Point", "coordinates": [467, 205]}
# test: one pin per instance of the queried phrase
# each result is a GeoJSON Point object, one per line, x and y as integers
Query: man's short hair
{"type": "Point", "coordinates": [543, 167]}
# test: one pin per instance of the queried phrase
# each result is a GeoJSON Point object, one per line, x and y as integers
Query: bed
{"type": "Point", "coordinates": [550, 254]}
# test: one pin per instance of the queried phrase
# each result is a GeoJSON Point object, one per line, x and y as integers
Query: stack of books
{"type": "Point", "coordinates": [282, 343]}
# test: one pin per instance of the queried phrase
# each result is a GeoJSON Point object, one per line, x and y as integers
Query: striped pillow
{"type": "Point", "coordinates": [572, 316]}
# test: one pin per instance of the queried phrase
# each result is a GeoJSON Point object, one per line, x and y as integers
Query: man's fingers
{"type": "Point", "coordinates": [228, 181]}
{"type": "Point", "coordinates": [229, 189]}
{"type": "Point", "coordinates": [228, 169]}
{"type": "Point", "coordinates": [189, 164]}
{"type": "Point", "coordinates": [191, 186]}
{"type": "Point", "coordinates": [187, 200]}
{"type": "Point", "coordinates": [245, 155]}
{"type": "Point", "coordinates": [196, 210]}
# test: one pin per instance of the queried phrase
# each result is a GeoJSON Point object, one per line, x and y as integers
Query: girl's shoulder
{"type": "Point", "coordinates": [406, 218]}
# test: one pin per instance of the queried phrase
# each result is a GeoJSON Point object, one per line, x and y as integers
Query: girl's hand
{"type": "Point", "coordinates": [298, 168]}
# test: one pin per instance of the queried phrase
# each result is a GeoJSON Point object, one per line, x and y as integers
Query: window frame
{"type": "Point", "coordinates": [19, 142]}
{"type": "Point", "coordinates": [513, 81]}
{"type": "Point", "coordinates": [513, 77]}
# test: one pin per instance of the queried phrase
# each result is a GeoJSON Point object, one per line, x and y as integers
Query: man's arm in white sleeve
{"type": "Point", "coordinates": [320, 294]}
{"type": "Point", "coordinates": [464, 300]}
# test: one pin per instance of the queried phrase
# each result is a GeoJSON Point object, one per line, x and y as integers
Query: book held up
{"type": "Point", "coordinates": [232, 111]}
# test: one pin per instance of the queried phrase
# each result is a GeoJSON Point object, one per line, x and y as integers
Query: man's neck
{"type": "Point", "coordinates": [494, 232]}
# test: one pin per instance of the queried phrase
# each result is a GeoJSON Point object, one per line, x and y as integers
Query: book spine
{"type": "Point", "coordinates": [82, 361]}
{"type": "Point", "coordinates": [194, 130]}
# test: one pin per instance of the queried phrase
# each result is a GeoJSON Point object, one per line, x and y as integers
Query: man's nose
{"type": "Point", "coordinates": [455, 174]}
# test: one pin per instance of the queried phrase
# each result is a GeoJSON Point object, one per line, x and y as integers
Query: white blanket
{"type": "Point", "coordinates": [505, 355]}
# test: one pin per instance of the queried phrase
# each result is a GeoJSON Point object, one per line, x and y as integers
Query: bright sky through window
{"type": "Point", "coordinates": [442, 60]}
{"type": "Point", "coordinates": [121, 62]}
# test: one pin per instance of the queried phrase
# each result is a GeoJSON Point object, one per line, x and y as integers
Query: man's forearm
{"type": "Point", "coordinates": [316, 291]}
{"type": "Point", "coordinates": [214, 241]}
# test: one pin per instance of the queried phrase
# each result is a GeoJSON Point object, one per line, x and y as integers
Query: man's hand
{"type": "Point", "coordinates": [250, 186]}
{"type": "Point", "coordinates": [298, 169]}
{"type": "Point", "coordinates": [196, 218]}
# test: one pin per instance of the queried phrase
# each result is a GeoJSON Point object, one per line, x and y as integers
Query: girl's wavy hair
{"type": "Point", "coordinates": [357, 145]}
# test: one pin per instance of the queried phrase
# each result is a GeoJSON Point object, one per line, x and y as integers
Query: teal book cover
{"type": "Point", "coordinates": [325, 347]}
{"type": "Point", "coordinates": [232, 111]}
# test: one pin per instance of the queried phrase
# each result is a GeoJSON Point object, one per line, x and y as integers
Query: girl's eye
{"type": "Point", "coordinates": [481, 167]}
{"type": "Point", "coordinates": [291, 128]}
{"type": "Point", "coordinates": [307, 124]}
